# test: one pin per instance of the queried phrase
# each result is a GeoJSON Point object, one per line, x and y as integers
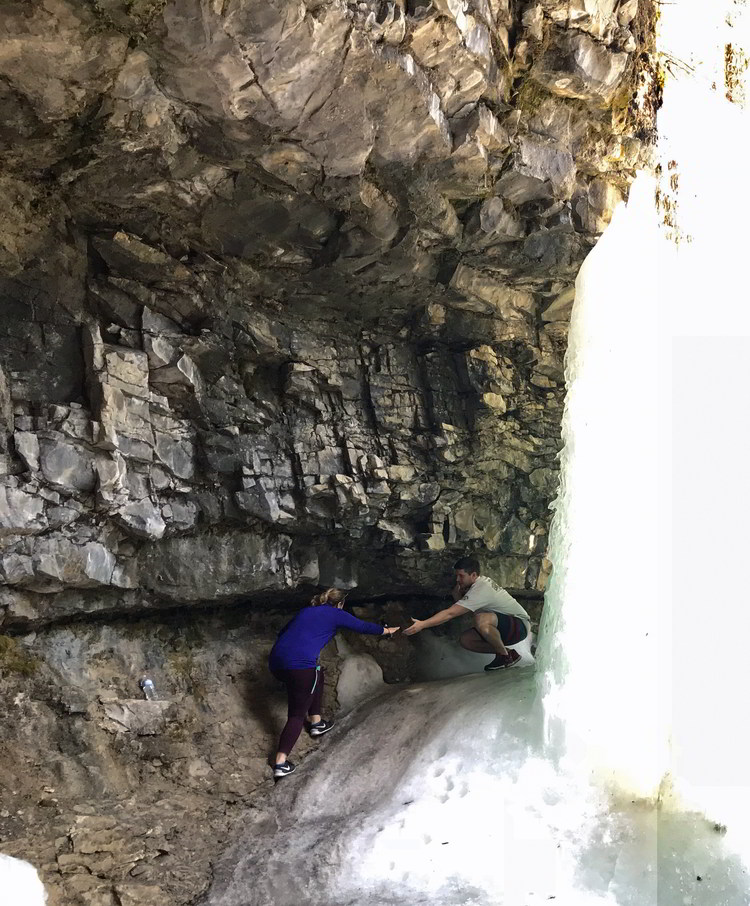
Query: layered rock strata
{"type": "Point", "coordinates": [286, 288]}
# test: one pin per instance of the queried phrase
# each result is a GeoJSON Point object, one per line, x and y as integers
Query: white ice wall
{"type": "Point", "coordinates": [644, 648]}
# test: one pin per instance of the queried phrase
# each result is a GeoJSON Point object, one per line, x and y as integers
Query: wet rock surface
{"type": "Point", "coordinates": [285, 290]}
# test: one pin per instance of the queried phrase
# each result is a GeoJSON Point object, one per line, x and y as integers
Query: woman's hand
{"type": "Point", "coordinates": [390, 630]}
{"type": "Point", "coordinates": [416, 626]}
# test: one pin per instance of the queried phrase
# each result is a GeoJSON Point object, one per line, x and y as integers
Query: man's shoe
{"type": "Point", "coordinates": [504, 660]}
{"type": "Point", "coordinates": [321, 727]}
{"type": "Point", "coordinates": [281, 770]}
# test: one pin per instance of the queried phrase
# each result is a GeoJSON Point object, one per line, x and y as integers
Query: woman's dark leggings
{"type": "Point", "coordinates": [302, 701]}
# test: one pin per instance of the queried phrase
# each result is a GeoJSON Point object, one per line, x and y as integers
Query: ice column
{"type": "Point", "coordinates": [644, 666]}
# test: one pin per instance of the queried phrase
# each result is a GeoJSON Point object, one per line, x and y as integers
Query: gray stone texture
{"type": "Point", "coordinates": [285, 291]}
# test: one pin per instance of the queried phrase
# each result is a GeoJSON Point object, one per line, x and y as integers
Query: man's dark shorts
{"type": "Point", "coordinates": [511, 629]}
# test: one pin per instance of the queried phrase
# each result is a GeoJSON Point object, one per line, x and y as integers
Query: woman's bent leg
{"type": "Point", "coordinates": [299, 687]}
{"type": "Point", "coordinates": [316, 703]}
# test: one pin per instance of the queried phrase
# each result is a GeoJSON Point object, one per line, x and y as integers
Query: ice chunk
{"type": "Point", "coordinates": [20, 884]}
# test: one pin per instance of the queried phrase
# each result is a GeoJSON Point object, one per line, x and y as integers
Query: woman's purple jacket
{"type": "Point", "coordinates": [302, 639]}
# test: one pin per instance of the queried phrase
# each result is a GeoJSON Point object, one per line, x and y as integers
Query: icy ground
{"type": "Point", "coordinates": [440, 794]}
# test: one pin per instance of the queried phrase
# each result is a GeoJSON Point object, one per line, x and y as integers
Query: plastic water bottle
{"type": "Point", "coordinates": [149, 690]}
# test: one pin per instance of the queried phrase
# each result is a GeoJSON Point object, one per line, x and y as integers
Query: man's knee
{"type": "Point", "coordinates": [484, 622]}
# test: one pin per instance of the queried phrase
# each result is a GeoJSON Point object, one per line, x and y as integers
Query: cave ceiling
{"type": "Point", "coordinates": [277, 272]}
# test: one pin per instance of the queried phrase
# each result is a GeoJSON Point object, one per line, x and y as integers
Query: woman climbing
{"type": "Point", "coordinates": [294, 661]}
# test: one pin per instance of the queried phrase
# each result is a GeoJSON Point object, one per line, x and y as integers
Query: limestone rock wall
{"type": "Point", "coordinates": [194, 468]}
{"type": "Point", "coordinates": [285, 288]}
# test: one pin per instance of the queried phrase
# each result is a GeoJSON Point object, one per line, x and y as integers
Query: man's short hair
{"type": "Point", "coordinates": [468, 565]}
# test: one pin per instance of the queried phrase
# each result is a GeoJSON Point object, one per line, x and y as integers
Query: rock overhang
{"type": "Point", "coordinates": [299, 271]}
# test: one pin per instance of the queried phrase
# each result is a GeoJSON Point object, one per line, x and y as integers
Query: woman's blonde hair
{"type": "Point", "coordinates": [331, 596]}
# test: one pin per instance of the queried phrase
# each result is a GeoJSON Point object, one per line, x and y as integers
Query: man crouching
{"type": "Point", "coordinates": [499, 620]}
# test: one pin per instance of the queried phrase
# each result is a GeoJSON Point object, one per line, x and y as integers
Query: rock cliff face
{"type": "Point", "coordinates": [286, 285]}
{"type": "Point", "coordinates": [285, 289]}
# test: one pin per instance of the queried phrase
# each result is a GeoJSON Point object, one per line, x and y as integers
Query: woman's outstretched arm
{"type": "Point", "coordinates": [347, 621]}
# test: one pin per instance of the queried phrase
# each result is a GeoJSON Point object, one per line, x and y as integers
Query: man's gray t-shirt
{"type": "Point", "coordinates": [486, 595]}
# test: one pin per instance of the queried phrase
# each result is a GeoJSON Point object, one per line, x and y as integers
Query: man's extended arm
{"type": "Point", "coordinates": [442, 616]}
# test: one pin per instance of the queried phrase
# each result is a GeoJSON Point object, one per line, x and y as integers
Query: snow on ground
{"type": "Point", "coordinates": [19, 883]}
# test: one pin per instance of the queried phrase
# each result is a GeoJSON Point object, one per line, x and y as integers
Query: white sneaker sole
{"type": "Point", "coordinates": [321, 732]}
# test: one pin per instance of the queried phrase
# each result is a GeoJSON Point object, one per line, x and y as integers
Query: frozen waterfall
{"type": "Point", "coordinates": [646, 675]}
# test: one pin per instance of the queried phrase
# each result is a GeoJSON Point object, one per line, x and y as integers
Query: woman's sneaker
{"type": "Point", "coordinates": [504, 660]}
{"type": "Point", "coordinates": [321, 727]}
{"type": "Point", "coordinates": [281, 770]}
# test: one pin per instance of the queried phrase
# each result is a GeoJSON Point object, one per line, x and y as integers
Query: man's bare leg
{"type": "Point", "coordinates": [486, 625]}
{"type": "Point", "coordinates": [470, 640]}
